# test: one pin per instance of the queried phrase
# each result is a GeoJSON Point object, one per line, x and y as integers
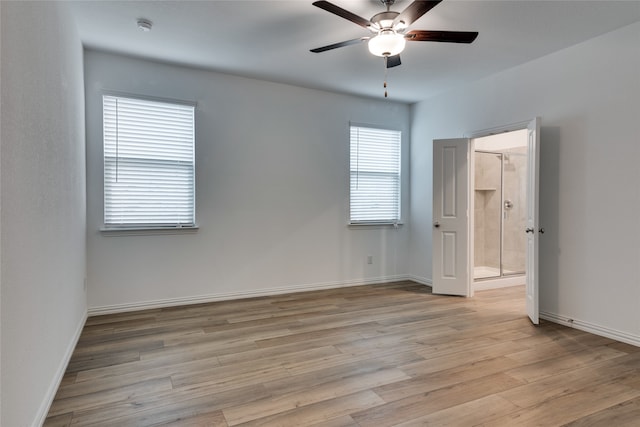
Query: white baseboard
{"type": "Point", "coordinates": [592, 328]}
{"type": "Point", "coordinates": [419, 279]}
{"type": "Point", "coordinates": [41, 415]}
{"type": "Point", "coordinates": [200, 299]}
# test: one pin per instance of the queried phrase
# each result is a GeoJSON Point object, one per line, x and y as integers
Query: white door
{"type": "Point", "coordinates": [533, 226]}
{"type": "Point", "coordinates": [451, 223]}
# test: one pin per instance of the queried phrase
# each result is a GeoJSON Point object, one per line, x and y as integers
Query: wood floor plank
{"type": "Point", "coordinates": [326, 411]}
{"type": "Point", "coordinates": [445, 378]}
{"type": "Point", "coordinates": [133, 345]}
{"type": "Point", "coordinates": [284, 350]}
{"type": "Point", "coordinates": [83, 363]}
{"type": "Point", "coordinates": [551, 387]}
{"type": "Point", "coordinates": [359, 346]}
{"type": "Point", "coordinates": [471, 413]}
{"type": "Point", "coordinates": [376, 355]}
{"type": "Point", "coordinates": [166, 405]}
{"type": "Point", "coordinates": [461, 345]}
{"type": "Point", "coordinates": [104, 397]}
{"type": "Point", "coordinates": [449, 361]}
{"type": "Point", "coordinates": [132, 373]}
{"type": "Point", "coordinates": [422, 404]}
{"type": "Point", "coordinates": [565, 362]}
{"type": "Point", "coordinates": [322, 334]}
{"type": "Point", "coordinates": [342, 373]}
{"type": "Point", "coordinates": [129, 318]}
{"type": "Point", "coordinates": [568, 408]}
{"type": "Point", "coordinates": [338, 360]}
{"type": "Point", "coordinates": [224, 340]}
{"type": "Point", "coordinates": [286, 401]}
{"type": "Point", "coordinates": [625, 414]}
{"type": "Point", "coordinates": [343, 421]}
{"type": "Point", "coordinates": [62, 420]}
{"type": "Point", "coordinates": [214, 419]}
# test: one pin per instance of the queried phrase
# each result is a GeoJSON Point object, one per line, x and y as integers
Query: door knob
{"type": "Point", "coordinates": [529, 230]}
{"type": "Point", "coordinates": [541, 231]}
{"type": "Point", "coordinates": [436, 224]}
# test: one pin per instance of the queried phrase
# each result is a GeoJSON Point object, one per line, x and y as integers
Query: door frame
{"type": "Point", "coordinates": [499, 129]}
{"type": "Point", "coordinates": [531, 279]}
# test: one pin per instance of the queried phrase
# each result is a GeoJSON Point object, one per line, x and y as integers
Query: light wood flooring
{"type": "Point", "coordinates": [380, 355]}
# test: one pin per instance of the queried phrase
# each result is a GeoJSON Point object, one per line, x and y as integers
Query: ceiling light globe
{"type": "Point", "coordinates": [387, 43]}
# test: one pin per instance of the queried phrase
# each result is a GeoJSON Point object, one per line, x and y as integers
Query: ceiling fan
{"type": "Point", "coordinates": [390, 29]}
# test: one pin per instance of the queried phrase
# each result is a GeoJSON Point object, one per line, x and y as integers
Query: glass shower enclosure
{"type": "Point", "coordinates": [499, 214]}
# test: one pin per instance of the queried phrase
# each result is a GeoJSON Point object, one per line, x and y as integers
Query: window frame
{"type": "Point", "coordinates": [378, 222]}
{"type": "Point", "coordinates": [143, 228]}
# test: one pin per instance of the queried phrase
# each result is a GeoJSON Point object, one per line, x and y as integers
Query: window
{"type": "Point", "coordinates": [375, 175]}
{"type": "Point", "coordinates": [149, 176]}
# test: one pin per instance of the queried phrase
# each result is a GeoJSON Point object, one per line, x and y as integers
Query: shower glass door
{"type": "Point", "coordinates": [514, 219]}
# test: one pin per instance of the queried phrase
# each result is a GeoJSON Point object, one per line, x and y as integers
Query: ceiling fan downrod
{"type": "Point", "coordinates": [387, 3]}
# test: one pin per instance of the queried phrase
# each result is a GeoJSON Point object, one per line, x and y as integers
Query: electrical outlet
{"type": "Point", "coordinates": [369, 259]}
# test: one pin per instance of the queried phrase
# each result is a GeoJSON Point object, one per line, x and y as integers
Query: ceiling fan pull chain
{"type": "Point", "coordinates": [386, 58]}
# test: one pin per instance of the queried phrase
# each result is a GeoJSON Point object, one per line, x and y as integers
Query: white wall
{"type": "Point", "coordinates": [587, 96]}
{"type": "Point", "coordinates": [1, 138]}
{"type": "Point", "coordinates": [43, 217]}
{"type": "Point", "coordinates": [272, 192]}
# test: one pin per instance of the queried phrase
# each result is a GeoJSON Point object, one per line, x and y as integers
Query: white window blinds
{"type": "Point", "coordinates": [148, 163]}
{"type": "Point", "coordinates": [375, 175]}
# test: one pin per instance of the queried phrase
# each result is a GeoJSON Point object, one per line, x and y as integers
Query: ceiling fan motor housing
{"type": "Point", "coordinates": [384, 20]}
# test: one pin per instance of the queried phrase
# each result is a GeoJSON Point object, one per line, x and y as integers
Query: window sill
{"type": "Point", "coordinates": [147, 231]}
{"type": "Point", "coordinates": [375, 225]}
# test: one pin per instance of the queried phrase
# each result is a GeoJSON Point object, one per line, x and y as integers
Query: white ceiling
{"type": "Point", "coordinates": [270, 40]}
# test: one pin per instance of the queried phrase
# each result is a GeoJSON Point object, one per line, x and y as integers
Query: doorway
{"type": "Point", "coordinates": [500, 198]}
{"type": "Point", "coordinates": [453, 222]}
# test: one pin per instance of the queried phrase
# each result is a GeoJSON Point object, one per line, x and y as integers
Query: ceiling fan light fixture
{"type": "Point", "coordinates": [387, 43]}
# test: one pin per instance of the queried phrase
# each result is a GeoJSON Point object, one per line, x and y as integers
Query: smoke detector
{"type": "Point", "coordinates": [144, 25]}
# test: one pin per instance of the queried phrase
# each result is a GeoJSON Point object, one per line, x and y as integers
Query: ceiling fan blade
{"type": "Point", "coordinates": [337, 10]}
{"type": "Point", "coordinates": [441, 36]}
{"type": "Point", "coordinates": [414, 11]}
{"type": "Point", "coordinates": [337, 45]}
{"type": "Point", "coordinates": [393, 61]}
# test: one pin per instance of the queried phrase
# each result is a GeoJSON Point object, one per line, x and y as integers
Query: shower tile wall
{"type": "Point", "coordinates": [488, 209]}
